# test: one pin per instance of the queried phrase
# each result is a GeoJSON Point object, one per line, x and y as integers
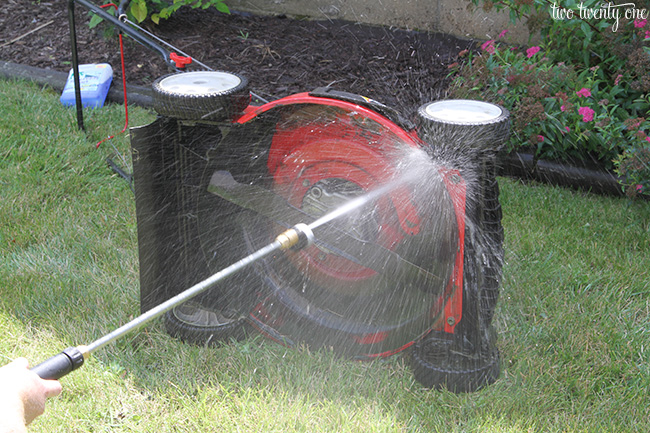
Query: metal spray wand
{"type": "Point", "coordinates": [297, 237]}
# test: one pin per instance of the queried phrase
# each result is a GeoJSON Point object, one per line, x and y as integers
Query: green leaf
{"type": "Point", "coordinates": [222, 7]}
{"type": "Point", "coordinates": [155, 18]}
{"type": "Point", "coordinates": [513, 16]}
{"type": "Point", "coordinates": [139, 11]}
{"type": "Point", "coordinates": [94, 21]}
{"type": "Point", "coordinates": [586, 30]}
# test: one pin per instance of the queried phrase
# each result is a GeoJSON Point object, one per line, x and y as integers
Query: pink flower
{"type": "Point", "coordinates": [639, 188]}
{"type": "Point", "coordinates": [647, 139]}
{"type": "Point", "coordinates": [502, 34]}
{"type": "Point", "coordinates": [640, 23]}
{"type": "Point", "coordinates": [584, 92]}
{"type": "Point", "coordinates": [587, 114]}
{"type": "Point", "coordinates": [530, 52]}
{"type": "Point", "coordinates": [618, 78]}
{"type": "Point", "coordinates": [489, 46]}
{"type": "Point", "coordinates": [567, 129]}
{"type": "Point", "coordinates": [647, 34]}
{"type": "Point", "coordinates": [540, 138]}
{"type": "Point", "coordinates": [563, 108]}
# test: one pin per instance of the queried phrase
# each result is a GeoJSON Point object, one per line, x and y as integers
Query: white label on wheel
{"type": "Point", "coordinates": [463, 110]}
{"type": "Point", "coordinates": [200, 83]}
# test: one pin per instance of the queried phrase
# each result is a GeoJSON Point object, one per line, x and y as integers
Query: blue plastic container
{"type": "Point", "coordinates": [95, 81]}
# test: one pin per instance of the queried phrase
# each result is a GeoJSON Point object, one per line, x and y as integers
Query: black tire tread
{"type": "Point", "coordinates": [217, 106]}
{"type": "Point", "coordinates": [215, 335]}
{"type": "Point", "coordinates": [450, 370]}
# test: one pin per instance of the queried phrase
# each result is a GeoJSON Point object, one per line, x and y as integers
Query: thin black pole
{"type": "Point", "coordinates": [75, 65]}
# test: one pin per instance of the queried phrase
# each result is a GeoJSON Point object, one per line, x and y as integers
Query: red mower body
{"type": "Point", "coordinates": [381, 279]}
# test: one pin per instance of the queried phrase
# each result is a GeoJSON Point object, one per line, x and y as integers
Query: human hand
{"type": "Point", "coordinates": [22, 395]}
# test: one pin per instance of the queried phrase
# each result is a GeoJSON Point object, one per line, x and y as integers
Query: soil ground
{"type": "Point", "coordinates": [278, 55]}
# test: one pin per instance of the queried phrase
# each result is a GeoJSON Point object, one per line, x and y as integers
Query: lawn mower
{"type": "Point", "coordinates": [216, 178]}
{"type": "Point", "coordinates": [413, 267]}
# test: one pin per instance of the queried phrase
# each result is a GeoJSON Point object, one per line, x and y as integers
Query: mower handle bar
{"type": "Point", "coordinates": [166, 55]}
{"type": "Point", "coordinates": [123, 6]}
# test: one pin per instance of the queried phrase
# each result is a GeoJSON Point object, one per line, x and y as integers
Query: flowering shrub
{"type": "Point", "coordinates": [582, 94]}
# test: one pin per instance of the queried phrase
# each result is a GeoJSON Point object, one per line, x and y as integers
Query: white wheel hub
{"type": "Point", "coordinates": [462, 111]}
{"type": "Point", "coordinates": [200, 83]}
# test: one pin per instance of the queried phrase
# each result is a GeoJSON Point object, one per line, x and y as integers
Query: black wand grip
{"type": "Point", "coordinates": [59, 365]}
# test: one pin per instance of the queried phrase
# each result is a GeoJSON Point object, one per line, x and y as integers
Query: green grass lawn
{"type": "Point", "coordinates": [573, 318]}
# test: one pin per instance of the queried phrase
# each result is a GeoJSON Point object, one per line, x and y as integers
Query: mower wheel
{"type": "Point", "coordinates": [456, 126]}
{"type": "Point", "coordinates": [201, 95]}
{"type": "Point", "coordinates": [194, 323]}
{"type": "Point", "coordinates": [436, 363]}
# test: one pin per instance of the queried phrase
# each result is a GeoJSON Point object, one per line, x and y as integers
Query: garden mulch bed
{"type": "Point", "coordinates": [278, 55]}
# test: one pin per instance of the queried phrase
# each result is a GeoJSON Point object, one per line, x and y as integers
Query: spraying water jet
{"type": "Point", "coordinates": [300, 236]}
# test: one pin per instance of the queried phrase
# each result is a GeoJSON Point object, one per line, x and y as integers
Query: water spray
{"type": "Point", "coordinates": [297, 237]}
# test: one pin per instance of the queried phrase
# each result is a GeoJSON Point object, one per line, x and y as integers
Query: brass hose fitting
{"type": "Point", "coordinates": [297, 237]}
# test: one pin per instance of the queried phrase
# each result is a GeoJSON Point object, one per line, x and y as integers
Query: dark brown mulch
{"type": "Point", "coordinates": [278, 55]}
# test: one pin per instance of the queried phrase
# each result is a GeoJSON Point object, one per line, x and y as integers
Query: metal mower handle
{"type": "Point", "coordinates": [123, 6]}
{"type": "Point", "coordinates": [133, 33]}
{"type": "Point", "coordinates": [59, 365]}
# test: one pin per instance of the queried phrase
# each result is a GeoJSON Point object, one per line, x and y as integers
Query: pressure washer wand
{"type": "Point", "coordinates": [297, 237]}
